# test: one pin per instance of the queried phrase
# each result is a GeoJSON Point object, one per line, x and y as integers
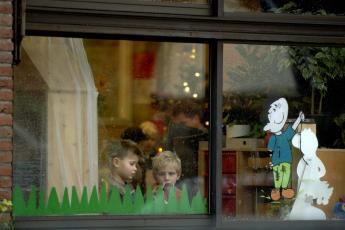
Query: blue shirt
{"type": "Point", "coordinates": [280, 146]}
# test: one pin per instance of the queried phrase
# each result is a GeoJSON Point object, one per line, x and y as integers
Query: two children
{"type": "Point", "coordinates": [123, 161]}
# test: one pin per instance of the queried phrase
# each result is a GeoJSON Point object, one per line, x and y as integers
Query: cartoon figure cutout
{"type": "Point", "coordinates": [309, 170]}
{"type": "Point", "coordinates": [279, 145]}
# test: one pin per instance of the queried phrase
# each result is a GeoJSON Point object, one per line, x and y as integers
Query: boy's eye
{"type": "Point", "coordinates": [172, 173]}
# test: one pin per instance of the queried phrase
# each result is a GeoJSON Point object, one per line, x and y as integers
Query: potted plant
{"type": "Point", "coordinates": [240, 115]}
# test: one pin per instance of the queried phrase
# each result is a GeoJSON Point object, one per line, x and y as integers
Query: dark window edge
{"type": "Point", "coordinates": [111, 7]}
{"type": "Point", "coordinates": [187, 27]}
{"type": "Point", "coordinates": [166, 222]}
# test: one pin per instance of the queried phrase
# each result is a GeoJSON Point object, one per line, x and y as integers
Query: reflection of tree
{"type": "Point", "coordinates": [259, 72]}
{"type": "Point", "coordinates": [317, 65]}
{"type": "Point", "coordinates": [320, 7]}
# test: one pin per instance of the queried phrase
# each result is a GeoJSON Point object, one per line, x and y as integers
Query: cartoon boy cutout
{"type": "Point", "coordinates": [279, 145]}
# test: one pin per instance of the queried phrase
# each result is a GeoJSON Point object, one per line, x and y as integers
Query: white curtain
{"type": "Point", "coordinates": [72, 158]}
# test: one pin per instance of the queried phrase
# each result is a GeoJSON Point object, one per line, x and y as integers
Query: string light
{"type": "Point", "coordinates": [197, 74]}
{"type": "Point", "coordinates": [187, 89]}
{"type": "Point", "coordinates": [207, 123]}
{"type": "Point", "coordinates": [193, 50]}
{"type": "Point", "coordinates": [195, 95]}
{"type": "Point", "coordinates": [192, 56]}
{"type": "Point", "coordinates": [185, 84]}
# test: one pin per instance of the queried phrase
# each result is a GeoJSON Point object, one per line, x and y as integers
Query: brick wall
{"type": "Point", "coordinates": [6, 97]}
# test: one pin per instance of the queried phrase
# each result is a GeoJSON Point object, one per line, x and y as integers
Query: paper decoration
{"type": "Point", "coordinates": [279, 145]}
{"type": "Point", "coordinates": [129, 204]}
{"type": "Point", "coordinates": [309, 170]}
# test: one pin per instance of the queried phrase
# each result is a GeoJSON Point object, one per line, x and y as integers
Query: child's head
{"type": "Point", "coordinates": [151, 131]}
{"type": "Point", "coordinates": [123, 157]}
{"type": "Point", "coordinates": [188, 112]}
{"type": "Point", "coordinates": [166, 168]}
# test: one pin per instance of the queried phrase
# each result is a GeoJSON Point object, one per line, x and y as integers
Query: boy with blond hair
{"type": "Point", "coordinates": [166, 168]}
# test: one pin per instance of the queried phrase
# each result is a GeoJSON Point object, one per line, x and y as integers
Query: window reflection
{"type": "Point", "coordinates": [311, 80]}
{"type": "Point", "coordinates": [178, 1]}
{"type": "Point", "coordinates": [106, 112]}
{"type": "Point", "coordinates": [323, 7]}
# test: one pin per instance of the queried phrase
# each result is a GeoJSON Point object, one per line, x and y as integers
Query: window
{"type": "Point", "coordinates": [232, 172]}
{"type": "Point", "coordinates": [91, 97]}
{"type": "Point", "coordinates": [335, 8]}
{"type": "Point", "coordinates": [263, 178]}
{"type": "Point", "coordinates": [188, 7]}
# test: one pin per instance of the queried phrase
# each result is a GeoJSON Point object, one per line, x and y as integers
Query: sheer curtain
{"type": "Point", "coordinates": [72, 156]}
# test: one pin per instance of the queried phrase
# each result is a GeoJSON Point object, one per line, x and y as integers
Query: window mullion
{"type": "Point", "coordinates": [218, 8]}
{"type": "Point", "coordinates": [215, 157]}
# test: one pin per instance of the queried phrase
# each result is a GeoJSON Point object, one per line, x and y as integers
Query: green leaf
{"type": "Point", "coordinates": [115, 204]}
{"type": "Point", "coordinates": [53, 206]}
{"type": "Point", "coordinates": [94, 206]}
{"type": "Point", "coordinates": [32, 202]}
{"type": "Point", "coordinates": [65, 206]}
{"type": "Point", "coordinates": [19, 207]}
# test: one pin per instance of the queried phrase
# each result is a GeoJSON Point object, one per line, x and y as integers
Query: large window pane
{"type": "Point", "coordinates": [283, 116]}
{"type": "Point", "coordinates": [110, 126]}
{"type": "Point", "coordinates": [321, 7]}
{"type": "Point", "coordinates": [178, 1]}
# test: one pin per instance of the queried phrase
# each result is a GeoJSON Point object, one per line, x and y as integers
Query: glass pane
{"type": "Point", "coordinates": [283, 114]}
{"type": "Point", "coordinates": [110, 126]}
{"type": "Point", "coordinates": [178, 1]}
{"type": "Point", "coordinates": [321, 7]}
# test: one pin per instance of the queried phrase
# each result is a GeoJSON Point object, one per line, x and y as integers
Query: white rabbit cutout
{"type": "Point", "coordinates": [309, 170]}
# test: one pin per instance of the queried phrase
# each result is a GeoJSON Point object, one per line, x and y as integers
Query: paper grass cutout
{"type": "Point", "coordinates": [279, 144]}
{"type": "Point", "coordinates": [309, 170]}
{"type": "Point", "coordinates": [129, 204]}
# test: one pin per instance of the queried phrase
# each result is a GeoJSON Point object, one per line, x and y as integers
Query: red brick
{"type": "Point", "coordinates": [6, 32]}
{"type": "Point", "coordinates": [6, 145]}
{"type": "Point", "coordinates": [5, 156]}
{"type": "Point", "coordinates": [6, 7]}
{"type": "Point", "coordinates": [6, 119]}
{"type": "Point", "coordinates": [6, 107]}
{"type": "Point", "coordinates": [6, 45]}
{"type": "Point", "coordinates": [5, 182]}
{"type": "Point", "coordinates": [6, 95]}
{"type": "Point", "coordinates": [5, 170]}
{"type": "Point", "coordinates": [6, 20]}
{"type": "Point", "coordinates": [6, 132]}
{"type": "Point", "coordinates": [5, 194]}
{"type": "Point", "coordinates": [6, 57]}
{"type": "Point", "coordinates": [6, 82]}
{"type": "Point", "coordinates": [6, 71]}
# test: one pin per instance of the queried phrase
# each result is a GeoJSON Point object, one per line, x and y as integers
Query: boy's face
{"type": "Point", "coordinates": [167, 175]}
{"type": "Point", "coordinates": [126, 167]}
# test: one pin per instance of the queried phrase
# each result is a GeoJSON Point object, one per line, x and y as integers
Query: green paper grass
{"type": "Point", "coordinates": [132, 203]}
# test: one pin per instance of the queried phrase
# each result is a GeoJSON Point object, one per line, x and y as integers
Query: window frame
{"type": "Point", "coordinates": [214, 28]}
{"type": "Point", "coordinates": [111, 6]}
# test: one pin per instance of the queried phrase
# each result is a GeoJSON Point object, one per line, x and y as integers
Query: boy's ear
{"type": "Point", "coordinates": [178, 176]}
{"type": "Point", "coordinates": [116, 161]}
